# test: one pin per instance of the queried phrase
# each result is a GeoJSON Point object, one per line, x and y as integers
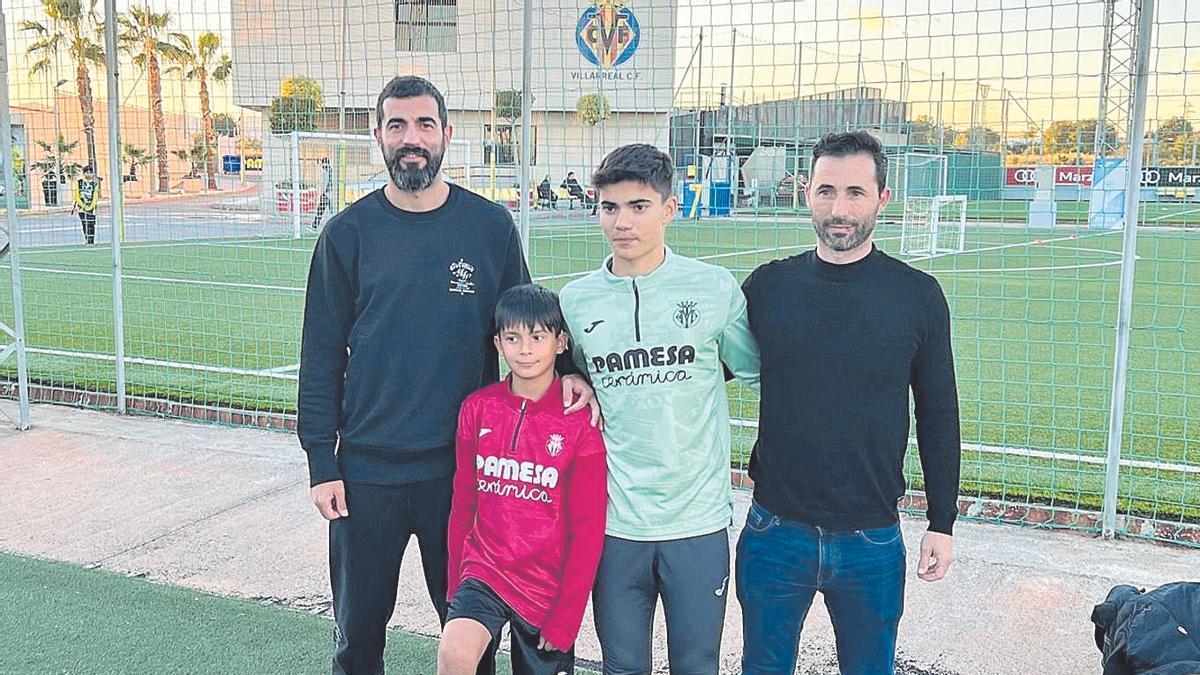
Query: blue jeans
{"type": "Point", "coordinates": [781, 564]}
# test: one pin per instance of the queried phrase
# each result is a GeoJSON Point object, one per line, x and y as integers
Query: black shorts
{"type": "Point", "coordinates": [477, 601]}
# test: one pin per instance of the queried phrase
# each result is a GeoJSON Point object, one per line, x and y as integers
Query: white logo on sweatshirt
{"type": "Point", "coordinates": [522, 472]}
{"type": "Point", "coordinates": [484, 432]}
{"type": "Point", "coordinates": [462, 277]}
{"type": "Point", "coordinates": [520, 480]}
{"type": "Point", "coordinates": [554, 446]}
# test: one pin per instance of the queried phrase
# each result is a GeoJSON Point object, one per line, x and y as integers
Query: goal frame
{"type": "Point", "coordinates": [927, 217]}
{"type": "Point", "coordinates": [457, 161]}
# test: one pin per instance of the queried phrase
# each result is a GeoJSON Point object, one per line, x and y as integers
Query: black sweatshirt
{"type": "Point", "coordinates": [397, 332]}
{"type": "Point", "coordinates": [841, 346]}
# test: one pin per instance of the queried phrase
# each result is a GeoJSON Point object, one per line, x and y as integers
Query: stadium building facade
{"type": "Point", "coordinates": [471, 49]}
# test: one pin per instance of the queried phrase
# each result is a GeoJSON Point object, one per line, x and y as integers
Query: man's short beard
{"type": "Point", "coordinates": [410, 177]}
{"type": "Point", "coordinates": [861, 232]}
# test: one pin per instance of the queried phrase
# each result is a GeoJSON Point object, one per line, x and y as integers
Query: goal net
{"type": "Point", "coordinates": [295, 166]}
{"type": "Point", "coordinates": [934, 225]}
{"type": "Point", "coordinates": [917, 174]}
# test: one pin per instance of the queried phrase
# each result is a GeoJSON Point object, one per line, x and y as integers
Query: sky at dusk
{"type": "Point", "coordinates": [1016, 62]}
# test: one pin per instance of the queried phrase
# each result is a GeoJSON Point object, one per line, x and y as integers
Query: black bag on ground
{"type": "Point", "coordinates": [1155, 633]}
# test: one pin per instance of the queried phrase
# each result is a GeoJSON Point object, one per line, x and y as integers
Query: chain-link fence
{"type": "Point", "coordinates": [244, 125]}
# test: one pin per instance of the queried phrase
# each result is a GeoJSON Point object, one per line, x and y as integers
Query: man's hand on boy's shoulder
{"type": "Point", "coordinates": [577, 393]}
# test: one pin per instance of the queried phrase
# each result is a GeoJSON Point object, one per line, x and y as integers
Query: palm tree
{"type": "Point", "coordinates": [72, 26]}
{"type": "Point", "coordinates": [135, 156]}
{"type": "Point", "coordinates": [202, 61]}
{"type": "Point", "coordinates": [142, 33]}
{"type": "Point", "coordinates": [56, 157]}
{"type": "Point", "coordinates": [194, 155]}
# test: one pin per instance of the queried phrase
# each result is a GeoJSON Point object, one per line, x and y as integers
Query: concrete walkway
{"type": "Point", "coordinates": [226, 510]}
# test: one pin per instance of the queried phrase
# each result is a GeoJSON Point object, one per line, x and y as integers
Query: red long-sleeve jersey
{"type": "Point", "coordinates": [530, 496]}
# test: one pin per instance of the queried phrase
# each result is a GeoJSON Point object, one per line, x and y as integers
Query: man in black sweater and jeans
{"type": "Point", "coordinates": [397, 331]}
{"type": "Point", "coordinates": [845, 332]}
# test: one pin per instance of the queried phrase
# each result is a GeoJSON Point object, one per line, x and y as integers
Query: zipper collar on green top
{"type": "Point", "coordinates": [663, 271]}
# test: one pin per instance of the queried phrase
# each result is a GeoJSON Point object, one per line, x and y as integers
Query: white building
{"type": "Point", "coordinates": [469, 50]}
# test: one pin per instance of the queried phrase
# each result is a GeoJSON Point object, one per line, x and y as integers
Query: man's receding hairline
{"type": "Point", "coordinates": [436, 116]}
{"type": "Point", "coordinates": [866, 155]}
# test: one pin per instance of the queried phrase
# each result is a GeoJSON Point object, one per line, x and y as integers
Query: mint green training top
{"type": "Point", "coordinates": [653, 347]}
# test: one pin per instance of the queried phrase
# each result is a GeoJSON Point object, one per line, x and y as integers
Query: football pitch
{"type": "Point", "coordinates": [217, 322]}
{"type": "Point", "coordinates": [60, 618]}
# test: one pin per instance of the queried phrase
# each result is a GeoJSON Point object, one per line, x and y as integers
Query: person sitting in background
{"type": "Point", "coordinates": [573, 188]}
{"type": "Point", "coordinates": [545, 194]}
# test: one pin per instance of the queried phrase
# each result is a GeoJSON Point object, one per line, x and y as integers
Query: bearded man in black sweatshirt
{"type": "Point", "coordinates": [846, 331]}
{"type": "Point", "coordinates": [397, 332]}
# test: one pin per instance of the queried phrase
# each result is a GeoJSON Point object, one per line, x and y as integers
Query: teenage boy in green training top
{"type": "Point", "coordinates": [655, 332]}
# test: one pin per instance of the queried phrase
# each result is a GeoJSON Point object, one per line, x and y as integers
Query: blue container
{"type": "Point", "coordinates": [720, 198]}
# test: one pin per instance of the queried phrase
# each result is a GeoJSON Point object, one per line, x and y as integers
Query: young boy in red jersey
{"type": "Point", "coordinates": [528, 513]}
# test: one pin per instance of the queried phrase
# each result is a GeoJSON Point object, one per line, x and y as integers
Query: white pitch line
{"type": "Point", "coordinates": [165, 280]}
{"type": "Point", "coordinates": [998, 247]}
{"type": "Point", "coordinates": [714, 256]}
{"type": "Point", "coordinates": [564, 235]}
{"type": "Point", "coordinates": [25, 230]}
{"type": "Point", "coordinates": [1097, 250]}
{"type": "Point", "coordinates": [703, 257]}
{"type": "Point", "coordinates": [568, 275]}
{"type": "Point", "coordinates": [1048, 268]}
{"type": "Point", "coordinates": [225, 241]}
{"type": "Point", "coordinates": [1040, 454]}
{"type": "Point", "coordinates": [1083, 459]}
{"type": "Point", "coordinates": [199, 241]}
{"type": "Point", "coordinates": [161, 363]}
{"type": "Point", "coordinates": [282, 369]}
{"type": "Point", "coordinates": [565, 226]}
{"type": "Point", "coordinates": [1173, 215]}
{"type": "Point", "coordinates": [129, 224]}
{"type": "Point", "coordinates": [305, 250]}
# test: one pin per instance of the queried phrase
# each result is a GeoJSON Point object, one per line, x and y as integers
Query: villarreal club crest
{"type": "Point", "coordinates": [607, 33]}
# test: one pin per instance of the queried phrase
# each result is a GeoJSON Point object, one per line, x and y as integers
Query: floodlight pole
{"type": "Point", "coordinates": [729, 102]}
{"type": "Point", "coordinates": [116, 192]}
{"type": "Point", "coordinates": [1099, 140]}
{"type": "Point", "coordinates": [941, 125]}
{"type": "Point", "coordinates": [62, 181]}
{"type": "Point", "coordinates": [342, 70]}
{"type": "Point", "coordinates": [340, 193]}
{"type": "Point", "coordinates": [858, 78]}
{"type": "Point", "coordinates": [699, 106]}
{"type": "Point", "coordinates": [796, 128]}
{"type": "Point", "coordinates": [1133, 183]}
{"type": "Point", "coordinates": [526, 111]}
{"type": "Point", "coordinates": [296, 227]}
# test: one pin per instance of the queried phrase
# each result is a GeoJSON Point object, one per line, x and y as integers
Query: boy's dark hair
{"type": "Point", "coordinates": [529, 305]}
{"type": "Point", "coordinates": [410, 86]}
{"type": "Point", "coordinates": [638, 162]}
{"type": "Point", "coordinates": [853, 143]}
